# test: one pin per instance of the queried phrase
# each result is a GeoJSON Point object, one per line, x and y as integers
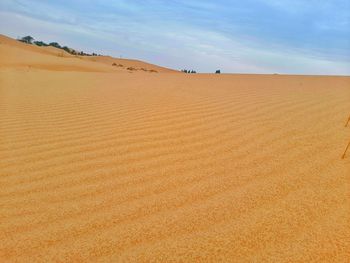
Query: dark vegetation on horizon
{"type": "Point", "coordinates": [189, 71]}
{"type": "Point", "coordinates": [30, 40]}
{"type": "Point", "coordinates": [193, 71]}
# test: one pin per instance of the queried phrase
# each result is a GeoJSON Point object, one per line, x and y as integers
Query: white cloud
{"type": "Point", "coordinates": [134, 29]}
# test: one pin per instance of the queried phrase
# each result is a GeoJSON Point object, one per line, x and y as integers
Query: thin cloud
{"type": "Point", "coordinates": [261, 36]}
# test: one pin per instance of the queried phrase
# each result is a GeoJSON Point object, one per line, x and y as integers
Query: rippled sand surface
{"type": "Point", "coordinates": [104, 165]}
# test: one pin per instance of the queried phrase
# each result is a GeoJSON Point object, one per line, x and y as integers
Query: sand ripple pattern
{"type": "Point", "coordinates": [104, 167]}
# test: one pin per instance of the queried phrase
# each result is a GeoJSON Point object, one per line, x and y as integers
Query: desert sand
{"type": "Point", "coordinates": [103, 164]}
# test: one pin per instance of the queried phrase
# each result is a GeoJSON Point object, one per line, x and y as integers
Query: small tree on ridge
{"type": "Point", "coordinates": [27, 39]}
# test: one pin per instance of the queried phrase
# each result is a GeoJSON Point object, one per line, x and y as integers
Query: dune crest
{"type": "Point", "coordinates": [15, 54]}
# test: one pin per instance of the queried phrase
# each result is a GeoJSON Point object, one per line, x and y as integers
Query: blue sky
{"type": "Point", "coordinates": [251, 36]}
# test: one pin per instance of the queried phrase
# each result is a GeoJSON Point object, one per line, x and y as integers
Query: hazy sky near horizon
{"type": "Point", "coordinates": [251, 36]}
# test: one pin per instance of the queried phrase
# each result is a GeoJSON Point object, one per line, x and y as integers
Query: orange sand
{"type": "Point", "coordinates": [102, 164]}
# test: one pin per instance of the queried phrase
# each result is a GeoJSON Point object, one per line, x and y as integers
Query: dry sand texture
{"type": "Point", "coordinates": [101, 165]}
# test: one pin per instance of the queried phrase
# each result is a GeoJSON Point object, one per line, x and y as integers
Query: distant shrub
{"type": "Point", "coordinates": [27, 39]}
{"type": "Point", "coordinates": [67, 49]}
{"type": "Point", "coordinates": [131, 68]}
{"type": "Point", "coordinates": [218, 71]}
{"type": "Point", "coordinates": [40, 43]}
{"type": "Point", "coordinates": [55, 44]}
{"type": "Point", "coordinates": [153, 71]}
{"type": "Point", "coordinates": [189, 71]}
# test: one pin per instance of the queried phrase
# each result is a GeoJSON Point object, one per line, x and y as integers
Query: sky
{"type": "Point", "coordinates": [250, 36]}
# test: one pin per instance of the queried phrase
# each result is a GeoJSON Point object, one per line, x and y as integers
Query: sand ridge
{"type": "Point", "coordinates": [102, 165]}
{"type": "Point", "coordinates": [16, 54]}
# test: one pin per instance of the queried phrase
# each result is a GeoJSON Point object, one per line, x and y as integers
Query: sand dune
{"type": "Point", "coordinates": [20, 55]}
{"type": "Point", "coordinates": [100, 165]}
